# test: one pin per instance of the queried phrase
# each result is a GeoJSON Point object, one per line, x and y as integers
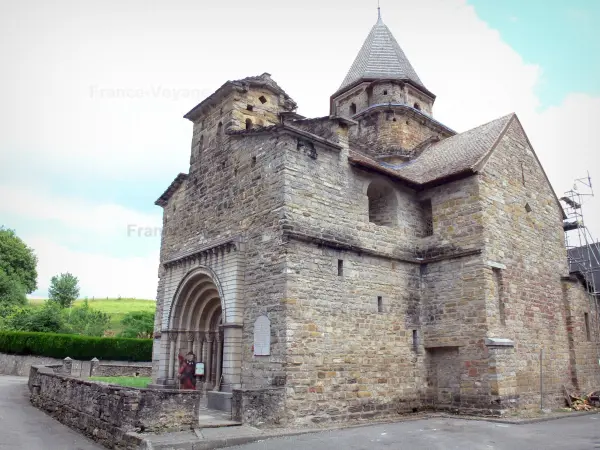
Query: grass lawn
{"type": "Point", "coordinates": [114, 307]}
{"type": "Point", "coordinates": [138, 382]}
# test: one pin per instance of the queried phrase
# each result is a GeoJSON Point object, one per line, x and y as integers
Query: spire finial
{"type": "Point", "coordinates": [378, 12]}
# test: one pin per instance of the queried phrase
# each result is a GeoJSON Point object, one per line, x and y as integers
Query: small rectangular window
{"type": "Point", "coordinates": [415, 342]}
{"type": "Point", "coordinates": [586, 318]}
{"type": "Point", "coordinates": [340, 267]}
{"type": "Point", "coordinates": [379, 304]}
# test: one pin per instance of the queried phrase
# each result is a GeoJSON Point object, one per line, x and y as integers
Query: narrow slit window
{"type": "Point", "coordinates": [427, 214]}
{"type": "Point", "coordinates": [253, 163]}
{"type": "Point", "coordinates": [499, 294]}
{"type": "Point", "coordinates": [586, 318]}
{"type": "Point", "coordinates": [380, 304]}
{"type": "Point", "coordinates": [340, 267]}
{"type": "Point", "coordinates": [248, 124]}
{"type": "Point", "coordinates": [415, 341]}
{"type": "Point", "coordinates": [352, 108]}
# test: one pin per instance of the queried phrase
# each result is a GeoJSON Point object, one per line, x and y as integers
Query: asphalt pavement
{"type": "Point", "coordinates": [23, 427]}
{"type": "Point", "coordinates": [576, 433]}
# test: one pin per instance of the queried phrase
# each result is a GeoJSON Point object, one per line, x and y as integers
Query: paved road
{"type": "Point", "coordinates": [23, 427]}
{"type": "Point", "coordinates": [577, 433]}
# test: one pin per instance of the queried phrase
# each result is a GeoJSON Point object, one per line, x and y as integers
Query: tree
{"type": "Point", "coordinates": [64, 289]}
{"type": "Point", "coordinates": [138, 324]}
{"type": "Point", "coordinates": [11, 291]}
{"type": "Point", "coordinates": [17, 260]}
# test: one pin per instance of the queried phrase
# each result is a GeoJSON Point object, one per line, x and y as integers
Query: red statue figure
{"type": "Point", "coordinates": [187, 371]}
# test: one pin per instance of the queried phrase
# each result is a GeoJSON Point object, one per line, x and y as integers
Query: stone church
{"type": "Point", "coordinates": [366, 263]}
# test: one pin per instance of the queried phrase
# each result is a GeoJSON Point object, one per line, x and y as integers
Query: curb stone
{"type": "Point", "coordinates": [202, 443]}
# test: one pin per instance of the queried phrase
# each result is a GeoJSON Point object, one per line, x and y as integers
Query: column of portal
{"type": "Point", "coordinates": [172, 343]}
{"type": "Point", "coordinates": [219, 358]}
{"type": "Point", "coordinates": [208, 367]}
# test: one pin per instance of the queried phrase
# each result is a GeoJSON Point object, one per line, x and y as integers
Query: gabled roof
{"type": "Point", "coordinates": [380, 58]}
{"type": "Point", "coordinates": [164, 198]}
{"type": "Point", "coordinates": [263, 80]}
{"type": "Point", "coordinates": [442, 159]}
{"type": "Point", "coordinates": [456, 153]}
{"type": "Point", "coordinates": [459, 155]}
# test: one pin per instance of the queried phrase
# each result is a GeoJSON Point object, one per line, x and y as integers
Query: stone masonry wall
{"type": "Point", "coordinates": [236, 190]}
{"type": "Point", "coordinates": [583, 338]}
{"type": "Point", "coordinates": [524, 296]}
{"type": "Point", "coordinates": [107, 413]}
{"type": "Point", "coordinates": [350, 348]}
{"type": "Point", "coordinates": [345, 358]}
{"type": "Point", "coordinates": [389, 130]}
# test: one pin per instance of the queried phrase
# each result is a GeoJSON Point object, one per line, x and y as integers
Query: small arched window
{"type": "Point", "coordinates": [248, 124]}
{"type": "Point", "coordinates": [352, 108]}
{"type": "Point", "coordinates": [417, 106]}
{"type": "Point", "coordinates": [220, 129]}
{"type": "Point", "coordinates": [383, 205]}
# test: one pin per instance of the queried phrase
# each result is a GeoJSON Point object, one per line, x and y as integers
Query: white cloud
{"type": "Point", "coordinates": [99, 275]}
{"type": "Point", "coordinates": [59, 114]}
{"type": "Point", "coordinates": [117, 247]}
{"type": "Point", "coordinates": [76, 214]}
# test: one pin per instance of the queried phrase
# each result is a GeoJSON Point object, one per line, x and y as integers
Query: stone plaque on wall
{"type": "Point", "coordinates": [262, 336]}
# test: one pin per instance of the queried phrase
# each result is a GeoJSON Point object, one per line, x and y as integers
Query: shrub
{"type": "Point", "coordinates": [85, 320]}
{"type": "Point", "coordinates": [47, 319]}
{"type": "Point", "coordinates": [137, 324]}
{"type": "Point", "coordinates": [76, 347]}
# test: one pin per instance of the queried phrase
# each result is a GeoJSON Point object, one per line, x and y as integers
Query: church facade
{"type": "Point", "coordinates": [366, 263]}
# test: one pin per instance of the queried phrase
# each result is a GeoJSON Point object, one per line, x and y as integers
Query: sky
{"type": "Point", "coordinates": [92, 96]}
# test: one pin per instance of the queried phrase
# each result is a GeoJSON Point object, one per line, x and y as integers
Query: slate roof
{"type": "Point", "coordinates": [586, 257]}
{"type": "Point", "coordinates": [451, 156]}
{"type": "Point", "coordinates": [164, 198]}
{"type": "Point", "coordinates": [380, 58]}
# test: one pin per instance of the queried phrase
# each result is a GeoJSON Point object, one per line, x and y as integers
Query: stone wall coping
{"type": "Point", "coordinates": [496, 265]}
{"type": "Point", "coordinates": [499, 342]}
{"type": "Point", "coordinates": [47, 370]}
{"type": "Point", "coordinates": [259, 389]}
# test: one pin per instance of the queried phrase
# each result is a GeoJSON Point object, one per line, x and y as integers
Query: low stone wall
{"type": "Point", "coordinates": [122, 370]}
{"type": "Point", "coordinates": [20, 365]}
{"type": "Point", "coordinates": [109, 413]}
{"type": "Point", "coordinates": [259, 407]}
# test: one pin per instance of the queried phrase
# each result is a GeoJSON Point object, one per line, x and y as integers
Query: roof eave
{"type": "Point", "coordinates": [163, 200]}
{"type": "Point", "coordinates": [352, 85]}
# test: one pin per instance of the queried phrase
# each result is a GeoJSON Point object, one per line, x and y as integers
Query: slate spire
{"type": "Point", "coordinates": [380, 57]}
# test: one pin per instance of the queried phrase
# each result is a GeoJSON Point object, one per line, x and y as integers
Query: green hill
{"type": "Point", "coordinates": [116, 308]}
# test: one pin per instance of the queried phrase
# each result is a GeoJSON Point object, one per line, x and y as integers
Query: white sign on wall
{"type": "Point", "coordinates": [262, 336]}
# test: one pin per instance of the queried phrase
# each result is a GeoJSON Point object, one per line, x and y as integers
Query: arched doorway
{"type": "Point", "coordinates": [196, 326]}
